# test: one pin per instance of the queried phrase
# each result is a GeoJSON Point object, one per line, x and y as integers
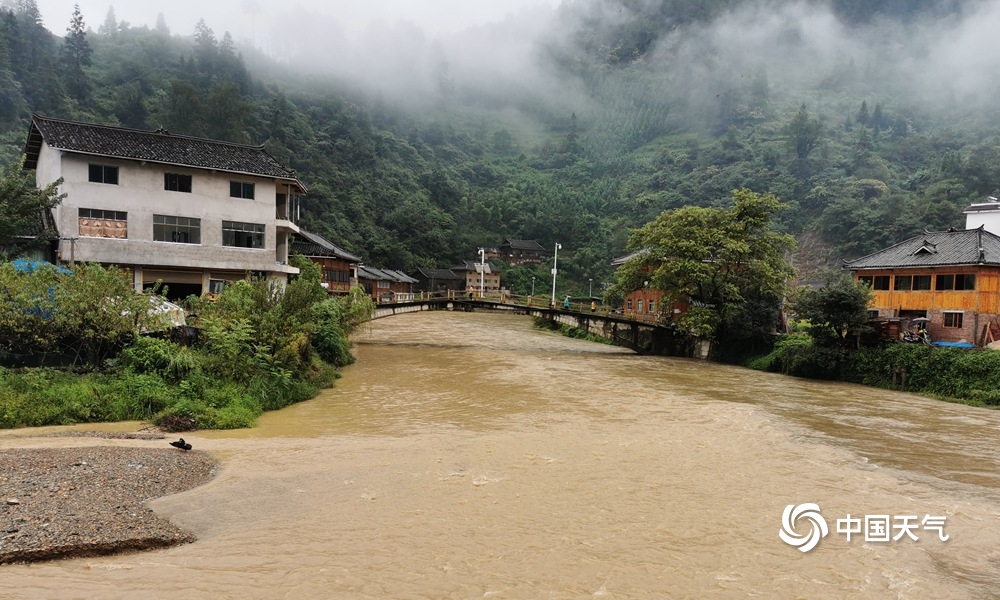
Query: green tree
{"type": "Point", "coordinates": [835, 311]}
{"type": "Point", "coordinates": [75, 55]}
{"type": "Point", "coordinates": [863, 117]}
{"type": "Point", "coordinates": [110, 25]}
{"type": "Point", "coordinates": [97, 313]}
{"type": "Point", "coordinates": [206, 48]}
{"type": "Point", "coordinates": [25, 208]}
{"type": "Point", "coordinates": [26, 327]}
{"type": "Point", "coordinates": [129, 107]}
{"type": "Point", "coordinates": [719, 260]}
{"type": "Point", "coordinates": [803, 134]}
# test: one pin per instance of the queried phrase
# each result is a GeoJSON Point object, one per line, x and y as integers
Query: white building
{"type": "Point", "coordinates": [984, 214]}
{"type": "Point", "coordinates": [190, 212]}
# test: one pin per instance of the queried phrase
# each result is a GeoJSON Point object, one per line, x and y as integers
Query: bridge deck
{"type": "Point", "coordinates": [640, 333]}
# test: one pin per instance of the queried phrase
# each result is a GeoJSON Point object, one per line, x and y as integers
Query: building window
{"type": "Point", "coordinates": [182, 230]}
{"type": "Point", "coordinates": [955, 282]}
{"type": "Point", "coordinates": [176, 182]}
{"type": "Point", "coordinates": [215, 286]}
{"type": "Point", "coordinates": [872, 314]}
{"type": "Point", "coordinates": [383, 284]}
{"type": "Point", "coordinates": [241, 189]}
{"type": "Point", "coordinates": [104, 174]}
{"type": "Point", "coordinates": [629, 304]}
{"type": "Point", "coordinates": [638, 304]}
{"type": "Point", "coordinates": [337, 276]}
{"type": "Point", "coordinates": [921, 282]}
{"type": "Point", "coordinates": [242, 235]}
{"type": "Point", "coordinates": [651, 304]}
{"type": "Point", "coordinates": [903, 283]}
{"type": "Point", "coordinates": [881, 282]}
{"type": "Point", "coordinates": [953, 319]}
{"type": "Point", "coordinates": [95, 222]}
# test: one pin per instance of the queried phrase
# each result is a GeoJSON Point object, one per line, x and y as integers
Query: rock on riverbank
{"type": "Point", "coordinates": [71, 502]}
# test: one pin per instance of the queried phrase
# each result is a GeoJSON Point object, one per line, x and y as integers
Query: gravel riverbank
{"type": "Point", "coordinates": [71, 502]}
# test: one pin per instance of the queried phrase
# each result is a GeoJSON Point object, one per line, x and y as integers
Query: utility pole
{"type": "Point", "coordinates": [555, 260]}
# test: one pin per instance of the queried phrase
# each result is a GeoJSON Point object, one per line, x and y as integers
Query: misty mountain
{"type": "Point", "coordinates": [870, 120]}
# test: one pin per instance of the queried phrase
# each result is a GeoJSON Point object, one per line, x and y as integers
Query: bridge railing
{"type": "Point", "coordinates": [537, 301]}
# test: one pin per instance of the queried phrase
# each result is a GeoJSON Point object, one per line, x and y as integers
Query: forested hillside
{"type": "Point", "coordinates": [871, 120]}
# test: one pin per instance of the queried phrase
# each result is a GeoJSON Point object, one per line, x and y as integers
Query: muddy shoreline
{"type": "Point", "coordinates": [86, 501]}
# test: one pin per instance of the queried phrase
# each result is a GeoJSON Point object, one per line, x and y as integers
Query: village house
{"type": "Point", "coordinates": [646, 303]}
{"type": "Point", "coordinates": [340, 267]}
{"type": "Point", "coordinates": [386, 285]}
{"type": "Point", "coordinates": [191, 213]}
{"type": "Point", "coordinates": [950, 277]}
{"type": "Point", "coordinates": [478, 274]}
{"type": "Point", "coordinates": [521, 252]}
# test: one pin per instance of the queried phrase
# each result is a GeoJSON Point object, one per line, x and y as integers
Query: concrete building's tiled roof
{"type": "Point", "coordinates": [991, 205]}
{"type": "Point", "coordinates": [313, 244]}
{"type": "Point", "coordinates": [152, 146]}
{"type": "Point", "coordinates": [935, 249]}
{"type": "Point", "coordinates": [471, 265]}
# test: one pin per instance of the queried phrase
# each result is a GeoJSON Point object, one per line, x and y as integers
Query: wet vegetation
{"type": "Point", "coordinates": [258, 350]}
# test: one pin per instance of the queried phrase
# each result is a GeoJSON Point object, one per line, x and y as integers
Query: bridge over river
{"type": "Point", "coordinates": [640, 333]}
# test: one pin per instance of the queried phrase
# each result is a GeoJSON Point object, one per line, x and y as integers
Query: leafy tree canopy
{"type": "Point", "coordinates": [834, 311]}
{"type": "Point", "coordinates": [25, 209]}
{"type": "Point", "coordinates": [717, 259]}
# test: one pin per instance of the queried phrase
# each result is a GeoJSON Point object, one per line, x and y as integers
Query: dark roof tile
{"type": "Point", "coordinates": [440, 274]}
{"type": "Point", "coordinates": [313, 244]}
{"type": "Point", "coordinates": [153, 146]}
{"type": "Point", "coordinates": [935, 249]}
{"type": "Point", "coordinates": [523, 245]}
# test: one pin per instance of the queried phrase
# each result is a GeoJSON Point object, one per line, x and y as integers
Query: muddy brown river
{"type": "Point", "coordinates": [472, 456]}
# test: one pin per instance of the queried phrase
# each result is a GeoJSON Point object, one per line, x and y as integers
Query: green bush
{"type": "Point", "coordinates": [148, 355]}
{"type": "Point", "coordinates": [956, 373]}
{"type": "Point", "coordinates": [797, 354]}
{"type": "Point", "coordinates": [37, 397]}
{"type": "Point", "coordinates": [135, 396]}
{"type": "Point", "coordinates": [241, 412]}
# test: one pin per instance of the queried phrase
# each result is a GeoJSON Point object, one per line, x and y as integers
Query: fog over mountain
{"type": "Point", "coordinates": [422, 50]}
{"type": "Point", "coordinates": [929, 61]}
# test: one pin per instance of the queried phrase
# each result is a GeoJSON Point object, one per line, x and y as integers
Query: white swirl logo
{"type": "Point", "coordinates": [809, 511]}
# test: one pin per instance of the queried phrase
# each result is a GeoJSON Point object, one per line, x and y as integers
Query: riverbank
{"type": "Point", "coordinates": [86, 501]}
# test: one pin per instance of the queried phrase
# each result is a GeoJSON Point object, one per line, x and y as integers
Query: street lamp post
{"type": "Point", "coordinates": [482, 271]}
{"type": "Point", "coordinates": [532, 286]}
{"type": "Point", "coordinates": [555, 260]}
{"type": "Point", "coordinates": [591, 288]}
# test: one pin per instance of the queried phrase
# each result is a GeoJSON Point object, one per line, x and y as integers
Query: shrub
{"type": "Point", "coordinates": [241, 412]}
{"type": "Point", "coordinates": [138, 396]}
{"type": "Point", "coordinates": [148, 355]}
{"type": "Point", "coordinates": [797, 354]}
{"type": "Point", "coordinates": [956, 373]}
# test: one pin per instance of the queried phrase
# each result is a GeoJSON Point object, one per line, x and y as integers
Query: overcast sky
{"type": "Point", "coordinates": [253, 18]}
